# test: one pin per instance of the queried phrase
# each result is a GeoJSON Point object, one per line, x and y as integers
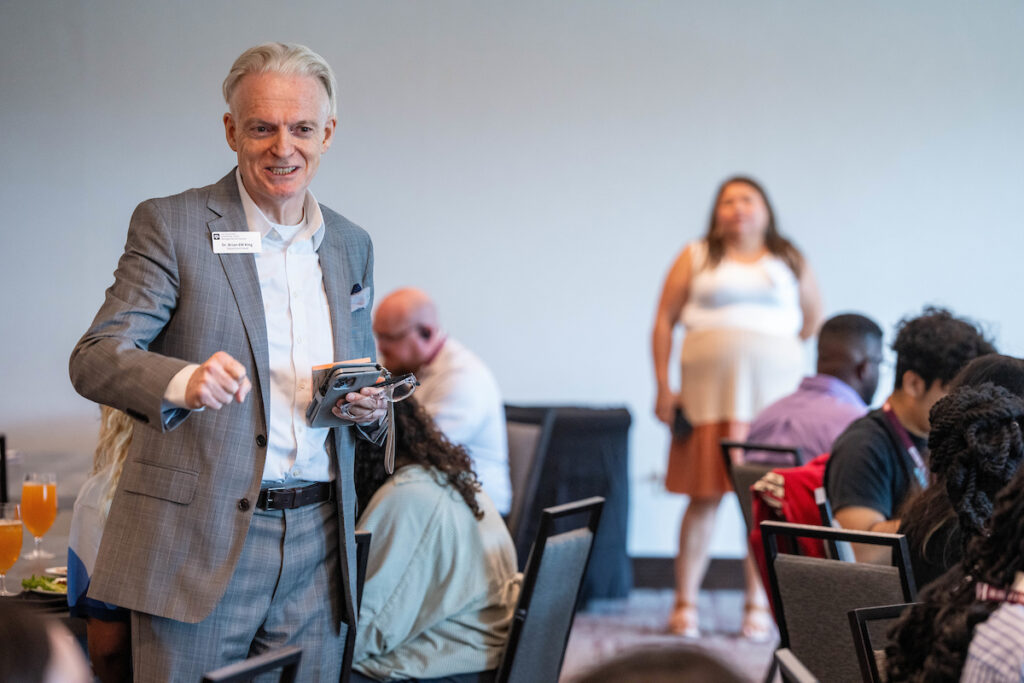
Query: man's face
{"type": "Point", "coordinates": [873, 356]}
{"type": "Point", "coordinates": [930, 397]}
{"type": "Point", "coordinates": [280, 126]}
{"type": "Point", "coordinates": [741, 212]}
{"type": "Point", "coordinates": [402, 347]}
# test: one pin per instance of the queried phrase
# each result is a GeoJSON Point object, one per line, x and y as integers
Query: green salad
{"type": "Point", "coordinates": [45, 583]}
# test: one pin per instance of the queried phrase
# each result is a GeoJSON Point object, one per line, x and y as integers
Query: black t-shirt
{"type": "Point", "coordinates": [869, 468]}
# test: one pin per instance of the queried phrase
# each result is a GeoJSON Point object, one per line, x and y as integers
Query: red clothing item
{"type": "Point", "coordinates": [787, 495]}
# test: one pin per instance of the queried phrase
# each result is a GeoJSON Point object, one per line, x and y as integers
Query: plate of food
{"type": "Point", "coordinates": [56, 571]}
{"type": "Point", "coordinates": [45, 585]}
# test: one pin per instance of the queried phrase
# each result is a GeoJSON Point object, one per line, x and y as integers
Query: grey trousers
{"type": "Point", "coordinates": [284, 592]}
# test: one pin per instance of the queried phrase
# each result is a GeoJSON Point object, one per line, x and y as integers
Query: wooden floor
{"type": "Point", "coordinates": [614, 627]}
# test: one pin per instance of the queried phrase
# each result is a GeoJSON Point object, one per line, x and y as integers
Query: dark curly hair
{"type": "Point", "coordinates": [931, 639]}
{"type": "Point", "coordinates": [418, 441]}
{"type": "Point", "coordinates": [774, 242]}
{"type": "Point", "coordinates": [936, 344]}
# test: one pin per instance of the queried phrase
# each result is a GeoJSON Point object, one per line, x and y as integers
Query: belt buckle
{"type": "Point", "coordinates": [281, 499]}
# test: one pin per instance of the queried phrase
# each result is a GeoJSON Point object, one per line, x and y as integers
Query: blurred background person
{"type": "Point", "coordinates": [456, 388]}
{"type": "Point", "coordinates": [975, 447]}
{"type": "Point", "coordinates": [882, 458]}
{"type": "Point", "coordinates": [441, 580]}
{"type": "Point", "coordinates": [35, 649]}
{"type": "Point", "coordinates": [662, 665]}
{"type": "Point", "coordinates": [745, 297]}
{"type": "Point", "coordinates": [849, 353]}
{"type": "Point", "coordinates": [108, 626]}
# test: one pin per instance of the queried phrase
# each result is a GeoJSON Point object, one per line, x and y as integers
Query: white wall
{"type": "Point", "coordinates": [535, 165]}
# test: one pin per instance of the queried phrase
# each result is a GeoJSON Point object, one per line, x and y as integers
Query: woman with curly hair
{"type": "Point", "coordinates": [931, 640]}
{"type": "Point", "coordinates": [441, 581]}
{"type": "Point", "coordinates": [975, 448]}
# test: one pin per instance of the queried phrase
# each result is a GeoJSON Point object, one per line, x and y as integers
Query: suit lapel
{"type": "Point", "coordinates": [244, 280]}
{"type": "Point", "coordinates": [337, 283]}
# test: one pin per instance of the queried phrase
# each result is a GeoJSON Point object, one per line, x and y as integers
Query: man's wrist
{"type": "Point", "coordinates": [174, 393]}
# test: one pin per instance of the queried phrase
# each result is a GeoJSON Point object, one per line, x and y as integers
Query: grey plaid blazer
{"type": "Point", "coordinates": [182, 509]}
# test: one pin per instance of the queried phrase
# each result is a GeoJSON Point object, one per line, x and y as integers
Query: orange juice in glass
{"type": "Point", "coordinates": [10, 541]}
{"type": "Point", "coordinates": [39, 509]}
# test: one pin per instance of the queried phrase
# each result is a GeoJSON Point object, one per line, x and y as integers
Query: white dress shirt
{"type": "Point", "coordinates": [299, 336]}
{"type": "Point", "coordinates": [461, 394]}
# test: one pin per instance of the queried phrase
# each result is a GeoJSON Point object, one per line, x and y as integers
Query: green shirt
{"type": "Point", "coordinates": [441, 586]}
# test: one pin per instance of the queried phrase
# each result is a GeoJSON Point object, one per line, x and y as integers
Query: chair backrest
{"type": "Point", "coordinates": [527, 448]}
{"type": "Point", "coordinates": [744, 475]}
{"type": "Point", "coordinates": [833, 550]}
{"type": "Point", "coordinates": [363, 539]}
{"type": "Point", "coordinates": [287, 659]}
{"type": "Point", "coordinates": [870, 627]}
{"type": "Point", "coordinates": [551, 586]}
{"type": "Point", "coordinates": [791, 668]}
{"type": "Point", "coordinates": [812, 595]}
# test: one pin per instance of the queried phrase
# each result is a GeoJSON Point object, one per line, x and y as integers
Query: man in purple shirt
{"type": "Point", "coordinates": [849, 352]}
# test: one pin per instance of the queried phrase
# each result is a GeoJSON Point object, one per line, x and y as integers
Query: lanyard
{"type": "Point", "coordinates": [920, 470]}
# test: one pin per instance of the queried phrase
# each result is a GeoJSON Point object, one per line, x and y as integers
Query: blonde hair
{"type": "Point", "coordinates": [116, 431]}
{"type": "Point", "coordinates": [283, 58]}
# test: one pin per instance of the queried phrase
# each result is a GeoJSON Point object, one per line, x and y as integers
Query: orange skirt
{"type": "Point", "coordinates": [695, 464]}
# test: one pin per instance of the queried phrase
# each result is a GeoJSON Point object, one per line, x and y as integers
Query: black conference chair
{"type": "Point", "coordinates": [744, 475]}
{"type": "Point", "coordinates": [791, 668]}
{"type": "Point", "coordinates": [812, 596]}
{"type": "Point", "coordinates": [287, 659]}
{"type": "Point", "coordinates": [527, 451]}
{"type": "Point", "coordinates": [870, 626]}
{"type": "Point", "coordinates": [833, 550]}
{"type": "Point", "coordinates": [544, 614]}
{"type": "Point", "coordinates": [363, 539]}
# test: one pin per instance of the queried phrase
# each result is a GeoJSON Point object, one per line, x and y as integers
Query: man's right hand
{"type": "Point", "coordinates": [216, 382]}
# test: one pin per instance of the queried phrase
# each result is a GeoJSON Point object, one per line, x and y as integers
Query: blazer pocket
{"type": "Point", "coordinates": [158, 481]}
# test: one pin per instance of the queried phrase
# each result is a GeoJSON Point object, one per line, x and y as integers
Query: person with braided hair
{"type": "Point", "coordinates": [975, 447]}
{"type": "Point", "coordinates": [969, 624]}
{"type": "Point", "coordinates": [441, 580]}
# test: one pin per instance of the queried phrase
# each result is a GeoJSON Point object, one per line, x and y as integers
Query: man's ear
{"type": "Point", "coordinates": [860, 370]}
{"type": "Point", "coordinates": [229, 131]}
{"type": "Point", "coordinates": [329, 127]}
{"type": "Point", "coordinates": [914, 385]}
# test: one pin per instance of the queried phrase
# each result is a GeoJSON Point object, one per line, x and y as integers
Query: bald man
{"type": "Point", "coordinates": [456, 388]}
{"type": "Point", "coordinates": [811, 418]}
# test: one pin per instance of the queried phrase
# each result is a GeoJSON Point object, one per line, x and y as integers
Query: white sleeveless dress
{"type": "Point", "coordinates": [741, 352]}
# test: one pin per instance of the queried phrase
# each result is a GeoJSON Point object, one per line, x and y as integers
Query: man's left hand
{"type": "Point", "coordinates": [367, 406]}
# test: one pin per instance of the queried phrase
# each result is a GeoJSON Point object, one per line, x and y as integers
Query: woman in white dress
{"type": "Point", "coordinates": [746, 298]}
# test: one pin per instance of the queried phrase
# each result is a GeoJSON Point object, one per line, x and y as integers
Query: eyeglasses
{"type": "Point", "coordinates": [393, 390]}
{"type": "Point", "coordinates": [398, 388]}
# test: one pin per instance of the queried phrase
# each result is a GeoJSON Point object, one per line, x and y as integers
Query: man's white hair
{"type": "Point", "coordinates": [283, 58]}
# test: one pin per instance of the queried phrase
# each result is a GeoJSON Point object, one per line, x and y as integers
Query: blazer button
{"type": "Point", "coordinates": [261, 440]}
{"type": "Point", "coordinates": [243, 504]}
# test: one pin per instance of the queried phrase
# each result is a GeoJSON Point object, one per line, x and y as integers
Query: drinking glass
{"type": "Point", "coordinates": [39, 509]}
{"type": "Point", "coordinates": [10, 541]}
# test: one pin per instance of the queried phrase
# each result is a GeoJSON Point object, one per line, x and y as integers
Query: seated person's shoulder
{"type": "Point", "coordinates": [860, 469]}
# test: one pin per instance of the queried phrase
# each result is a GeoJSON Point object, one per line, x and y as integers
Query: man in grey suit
{"type": "Point", "coordinates": [231, 531]}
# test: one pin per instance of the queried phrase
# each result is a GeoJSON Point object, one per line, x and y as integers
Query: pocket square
{"type": "Point", "coordinates": [359, 298]}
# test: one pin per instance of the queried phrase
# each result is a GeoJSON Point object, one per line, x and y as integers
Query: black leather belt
{"type": "Point", "coordinates": [289, 499]}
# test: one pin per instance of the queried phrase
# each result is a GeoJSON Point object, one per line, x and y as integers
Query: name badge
{"type": "Point", "coordinates": [237, 242]}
